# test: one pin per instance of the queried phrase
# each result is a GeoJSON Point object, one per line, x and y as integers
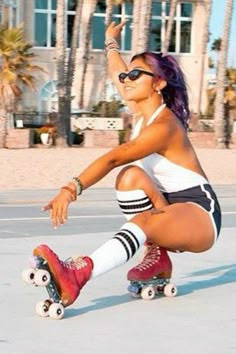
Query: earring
{"type": "Point", "coordinates": [160, 94]}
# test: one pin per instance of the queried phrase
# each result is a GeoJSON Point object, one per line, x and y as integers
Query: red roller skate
{"type": "Point", "coordinates": [152, 276]}
{"type": "Point", "coordinates": [63, 280]}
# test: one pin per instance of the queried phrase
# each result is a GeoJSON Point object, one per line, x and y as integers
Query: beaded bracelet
{"type": "Point", "coordinates": [111, 45]}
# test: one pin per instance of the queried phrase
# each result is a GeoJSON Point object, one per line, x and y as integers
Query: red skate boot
{"type": "Point", "coordinates": [63, 280]}
{"type": "Point", "coordinates": [69, 276]}
{"type": "Point", "coordinates": [152, 275]}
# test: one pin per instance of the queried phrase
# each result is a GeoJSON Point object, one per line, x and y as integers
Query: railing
{"type": "Point", "coordinates": [96, 123]}
{"type": "Point", "coordinates": [36, 120]}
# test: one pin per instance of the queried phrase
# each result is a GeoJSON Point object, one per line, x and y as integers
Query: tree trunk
{"type": "Point", "coordinates": [3, 127]}
{"type": "Point", "coordinates": [173, 4]}
{"type": "Point", "coordinates": [108, 18]}
{"type": "Point", "coordinates": [220, 119]}
{"type": "Point", "coordinates": [61, 136]}
{"type": "Point", "coordinates": [135, 25]}
{"type": "Point", "coordinates": [207, 4]}
{"type": "Point", "coordinates": [144, 25]}
{"type": "Point", "coordinates": [141, 25]}
{"type": "Point", "coordinates": [70, 67]}
{"type": "Point", "coordinates": [85, 49]}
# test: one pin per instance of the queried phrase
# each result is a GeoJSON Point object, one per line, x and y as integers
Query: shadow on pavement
{"type": "Point", "coordinates": [100, 304]}
{"type": "Point", "coordinates": [229, 276]}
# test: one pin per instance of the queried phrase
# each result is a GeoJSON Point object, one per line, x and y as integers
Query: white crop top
{"type": "Point", "coordinates": [168, 176]}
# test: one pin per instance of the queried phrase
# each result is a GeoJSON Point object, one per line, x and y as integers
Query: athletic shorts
{"type": "Point", "coordinates": [202, 195]}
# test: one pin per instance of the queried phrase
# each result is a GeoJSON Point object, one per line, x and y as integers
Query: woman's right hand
{"type": "Point", "coordinates": [114, 30]}
{"type": "Point", "coordinates": [58, 207]}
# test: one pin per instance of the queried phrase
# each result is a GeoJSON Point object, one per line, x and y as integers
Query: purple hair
{"type": "Point", "coordinates": [175, 92]}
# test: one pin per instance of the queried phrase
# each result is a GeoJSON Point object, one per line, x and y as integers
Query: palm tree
{"type": "Point", "coordinates": [220, 123]}
{"type": "Point", "coordinates": [71, 64]}
{"type": "Point", "coordinates": [61, 137]}
{"type": "Point", "coordinates": [207, 4]}
{"type": "Point", "coordinates": [135, 25]}
{"type": "Point", "coordinates": [144, 26]}
{"type": "Point", "coordinates": [173, 4]}
{"type": "Point", "coordinates": [16, 71]}
{"type": "Point", "coordinates": [87, 19]}
{"type": "Point", "coordinates": [141, 25]}
{"type": "Point", "coordinates": [108, 17]}
{"type": "Point", "coordinates": [216, 46]}
{"type": "Point", "coordinates": [65, 71]}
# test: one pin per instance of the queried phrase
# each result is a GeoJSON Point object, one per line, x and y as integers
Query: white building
{"type": "Point", "coordinates": [39, 18]}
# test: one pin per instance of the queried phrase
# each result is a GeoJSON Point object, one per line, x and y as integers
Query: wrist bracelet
{"type": "Point", "coordinates": [110, 40]}
{"type": "Point", "coordinates": [68, 189]}
{"type": "Point", "coordinates": [78, 184]}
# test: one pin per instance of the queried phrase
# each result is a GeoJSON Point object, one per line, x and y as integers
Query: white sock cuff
{"type": "Point", "coordinates": [130, 195]}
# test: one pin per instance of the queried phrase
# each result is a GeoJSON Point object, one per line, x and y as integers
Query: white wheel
{"type": "Point", "coordinates": [170, 290]}
{"type": "Point", "coordinates": [148, 293]}
{"type": "Point", "coordinates": [56, 311]}
{"type": "Point", "coordinates": [28, 275]}
{"type": "Point", "coordinates": [42, 277]}
{"type": "Point", "coordinates": [42, 308]}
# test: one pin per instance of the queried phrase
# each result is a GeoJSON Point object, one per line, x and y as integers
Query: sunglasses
{"type": "Point", "coordinates": [133, 75]}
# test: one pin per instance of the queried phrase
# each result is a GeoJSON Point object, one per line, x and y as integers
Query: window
{"type": "Point", "coordinates": [48, 97]}
{"type": "Point", "coordinates": [180, 41]}
{"type": "Point", "coordinates": [45, 22]}
{"type": "Point", "coordinates": [119, 13]}
{"type": "Point", "coordinates": [181, 31]}
{"type": "Point", "coordinates": [8, 13]}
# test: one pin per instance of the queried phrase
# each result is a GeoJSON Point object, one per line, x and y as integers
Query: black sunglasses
{"type": "Point", "coordinates": [133, 75]}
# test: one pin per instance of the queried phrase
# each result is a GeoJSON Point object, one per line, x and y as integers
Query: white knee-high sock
{"type": "Point", "coordinates": [118, 250]}
{"type": "Point", "coordinates": [133, 202]}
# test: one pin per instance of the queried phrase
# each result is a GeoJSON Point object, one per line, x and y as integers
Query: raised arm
{"type": "Point", "coordinates": [115, 62]}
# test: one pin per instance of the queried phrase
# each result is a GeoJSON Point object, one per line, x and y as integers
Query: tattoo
{"type": "Point", "coordinates": [156, 211]}
{"type": "Point", "coordinates": [127, 145]}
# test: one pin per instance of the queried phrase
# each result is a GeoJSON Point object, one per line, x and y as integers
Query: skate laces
{"type": "Point", "coordinates": [151, 258]}
{"type": "Point", "coordinates": [75, 263]}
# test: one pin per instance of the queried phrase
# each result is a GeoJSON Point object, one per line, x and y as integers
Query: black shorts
{"type": "Point", "coordinates": [205, 197]}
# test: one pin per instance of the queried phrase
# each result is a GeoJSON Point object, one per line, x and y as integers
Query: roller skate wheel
{"type": "Point", "coordinates": [42, 277]}
{"type": "Point", "coordinates": [56, 311]}
{"type": "Point", "coordinates": [170, 290]}
{"type": "Point", "coordinates": [28, 275]}
{"type": "Point", "coordinates": [148, 293]}
{"type": "Point", "coordinates": [42, 308]}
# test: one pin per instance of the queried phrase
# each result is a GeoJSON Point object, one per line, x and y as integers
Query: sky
{"type": "Point", "coordinates": [216, 26]}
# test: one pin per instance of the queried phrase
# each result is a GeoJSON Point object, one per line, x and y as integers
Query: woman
{"type": "Point", "coordinates": [162, 190]}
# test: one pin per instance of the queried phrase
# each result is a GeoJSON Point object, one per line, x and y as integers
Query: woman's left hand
{"type": "Point", "coordinates": [58, 208]}
{"type": "Point", "coordinates": [114, 30]}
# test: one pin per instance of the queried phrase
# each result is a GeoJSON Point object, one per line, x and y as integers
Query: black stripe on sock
{"type": "Point", "coordinates": [133, 201]}
{"type": "Point", "coordinates": [135, 211]}
{"type": "Point", "coordinates": [134, 237]}
{"type": "Point", "coordinates": [125, 247]}
{"type": "Point", "coordinates": [130, 242]}
{"type": "Point", "coordinates": [135, 206]}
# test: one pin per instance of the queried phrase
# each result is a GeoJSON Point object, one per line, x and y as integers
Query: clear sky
{"type": "Point", "coordinates": [216, 26]}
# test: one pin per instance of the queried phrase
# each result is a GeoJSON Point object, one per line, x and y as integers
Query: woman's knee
{"type": "Point", "coordinates": [130, 177]}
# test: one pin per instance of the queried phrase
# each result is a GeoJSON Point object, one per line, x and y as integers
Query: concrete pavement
{"type": "Point", "coordinates": [104, 319]}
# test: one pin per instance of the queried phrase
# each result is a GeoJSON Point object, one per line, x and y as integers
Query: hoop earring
{"type": "Point", "coordinates": [160, 94]}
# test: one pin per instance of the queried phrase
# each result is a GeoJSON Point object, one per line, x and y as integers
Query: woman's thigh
{"type": "Point", "coordinates": [178, 227]}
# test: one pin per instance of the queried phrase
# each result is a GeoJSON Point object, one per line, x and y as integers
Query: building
{"type": "Point", "coordinates": [39, 18]}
